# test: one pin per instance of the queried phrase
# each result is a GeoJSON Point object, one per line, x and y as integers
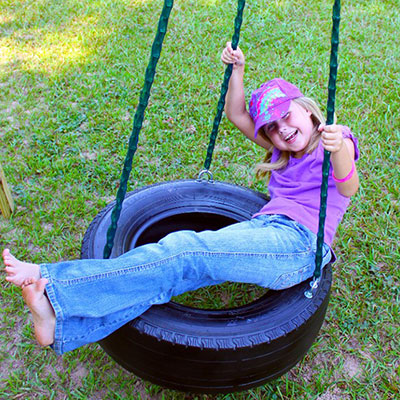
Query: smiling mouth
{"type": "Point", "coordinates": [291, 137]}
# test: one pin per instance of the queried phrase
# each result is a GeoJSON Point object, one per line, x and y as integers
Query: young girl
{"type": "Point", "coordinates": [78, 302]}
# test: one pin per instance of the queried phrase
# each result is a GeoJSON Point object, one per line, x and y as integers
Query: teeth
{"type": "Point", "coordinates": [287, 138]}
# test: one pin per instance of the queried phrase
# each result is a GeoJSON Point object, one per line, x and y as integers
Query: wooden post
{"type": "Point", "coordinates": [6, 200]}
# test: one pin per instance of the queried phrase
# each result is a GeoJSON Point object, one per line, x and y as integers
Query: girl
{"type": "Point", "coordinates": [78, 302]}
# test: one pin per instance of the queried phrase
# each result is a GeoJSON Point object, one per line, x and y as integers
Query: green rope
{"type": "Point", "coordinates": [137, 123]}
{"type": "Point", "coordinates": [330, 119]}
{"type": "Point", "coordinates": [224, 87]}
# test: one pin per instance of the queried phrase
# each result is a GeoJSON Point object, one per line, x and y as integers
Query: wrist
{"type": "Point", "coordinates": [239, 66]}
{"type": "Point", "coordinates": [348, 176]}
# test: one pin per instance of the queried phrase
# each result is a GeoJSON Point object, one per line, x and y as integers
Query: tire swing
{"type": "Point", "coordinates": [198, 350]}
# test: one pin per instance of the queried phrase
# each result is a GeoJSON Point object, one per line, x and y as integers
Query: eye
{"type": "Point", "coordinates": [270, 127]}
{"type": "Point", "coordinates": [287, 115]}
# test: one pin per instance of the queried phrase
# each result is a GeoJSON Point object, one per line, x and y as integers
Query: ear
{"type": "Point", "coordinates": [309, 113]}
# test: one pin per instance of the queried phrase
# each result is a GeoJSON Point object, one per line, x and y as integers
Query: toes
{"type": "Point", "coordinates": [27, 282]}
{"type": "Point", "coordinates": [10, 270]}
{"type": "Point", "coordinates": [6, 255]}
{"type": "Point", "coordinates": [41, 284]}
{"type": "Point", "coordinates": [7, 261]}
{"type": "Point", "coordinates": [36, 285]}
{"type": "Point", "coordinates": [12, 279]}
{"type": "Point", "coordinates": [8, 258]}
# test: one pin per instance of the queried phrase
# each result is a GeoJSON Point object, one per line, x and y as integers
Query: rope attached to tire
{"type": "Point", "coordinates": [333, 66]}
{"type": "Point", "coordinates": [137, 123]}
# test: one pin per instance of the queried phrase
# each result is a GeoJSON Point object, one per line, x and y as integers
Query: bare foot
{"type": "Point", "coordinates": [44, 319]}
{"type": "Point", "coordinates": [18, 271]}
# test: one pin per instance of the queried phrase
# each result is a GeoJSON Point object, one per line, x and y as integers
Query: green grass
{"type": "Point", "coordinates": [70, 77]}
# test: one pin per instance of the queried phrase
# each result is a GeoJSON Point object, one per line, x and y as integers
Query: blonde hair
{"type": "Point", "coordinates": [317, 118]}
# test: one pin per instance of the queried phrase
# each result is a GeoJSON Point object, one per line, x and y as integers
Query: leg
{"type": "Point", "coordinates": [273, 252]}
{"type": "Point", "coordinates": [92, 298]}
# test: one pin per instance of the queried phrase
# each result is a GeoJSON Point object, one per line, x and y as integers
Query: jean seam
{"type": "Point", "coordinates": [284, 277]}
{"type": "Point", "coordinates": [144, 267]}
{"type": "Point", "coordinates": [59, 315]}
{"type": "Point", "coordinates": [90, 332]}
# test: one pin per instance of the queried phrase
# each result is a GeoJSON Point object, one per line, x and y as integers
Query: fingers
{"type": "Point", "coordinates": [227, 57]}
{"type": "Point", "coordinates": [331, 137]}
{"type": "Point", "coordinates": [230, 56]}
{"type": "Point", "coordinates": [330, 128]}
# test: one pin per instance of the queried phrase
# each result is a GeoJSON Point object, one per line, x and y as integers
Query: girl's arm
{"type": "Point", "coordinates": [342, 159]}
{"type": "Point", "coordinates": [235, 104]}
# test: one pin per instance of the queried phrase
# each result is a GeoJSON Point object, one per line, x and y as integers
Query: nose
{"type": "Point", "coordinates": [282, 127]}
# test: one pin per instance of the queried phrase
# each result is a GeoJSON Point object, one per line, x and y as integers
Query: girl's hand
{"type": "Point", "coordinates": [332, 137]}
{"type": "Point", "coordinates": [230, 56]}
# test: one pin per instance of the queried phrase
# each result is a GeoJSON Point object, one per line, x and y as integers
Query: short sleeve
{"type": "Point", "coordinates": [347, 134]}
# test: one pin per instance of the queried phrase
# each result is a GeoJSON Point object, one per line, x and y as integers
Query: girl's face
{"type": "Point", "coordinates": [293, 132]}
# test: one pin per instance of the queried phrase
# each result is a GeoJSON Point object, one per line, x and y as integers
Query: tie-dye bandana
{"type": "Point", "coordinates": [265, 103]}
{"type": "Point", "coordinates": [271, 101]}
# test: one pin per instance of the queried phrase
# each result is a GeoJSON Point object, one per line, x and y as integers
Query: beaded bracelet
{"type": "Point", "coordinates": [348, 176]}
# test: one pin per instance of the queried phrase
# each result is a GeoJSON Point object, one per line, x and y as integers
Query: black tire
{"type": "Point", "coordinates": [197, 350]}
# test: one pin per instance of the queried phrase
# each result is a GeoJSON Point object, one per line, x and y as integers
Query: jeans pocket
{"type": "Point", "coordinates": [292, 278]}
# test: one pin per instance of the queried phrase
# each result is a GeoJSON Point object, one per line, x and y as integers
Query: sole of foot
{"type": "Point", "coordinates": [41, 309]}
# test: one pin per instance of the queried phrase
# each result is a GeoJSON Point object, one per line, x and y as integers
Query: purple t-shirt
{"type": "Point", "coordinates": [295, 191]}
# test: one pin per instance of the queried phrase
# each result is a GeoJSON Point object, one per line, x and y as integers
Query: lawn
{"type": "Point", "coordinates": [70, 78]}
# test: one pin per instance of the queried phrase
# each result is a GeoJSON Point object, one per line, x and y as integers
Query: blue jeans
{"type": "Point", "coordinates": [93, 298]}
